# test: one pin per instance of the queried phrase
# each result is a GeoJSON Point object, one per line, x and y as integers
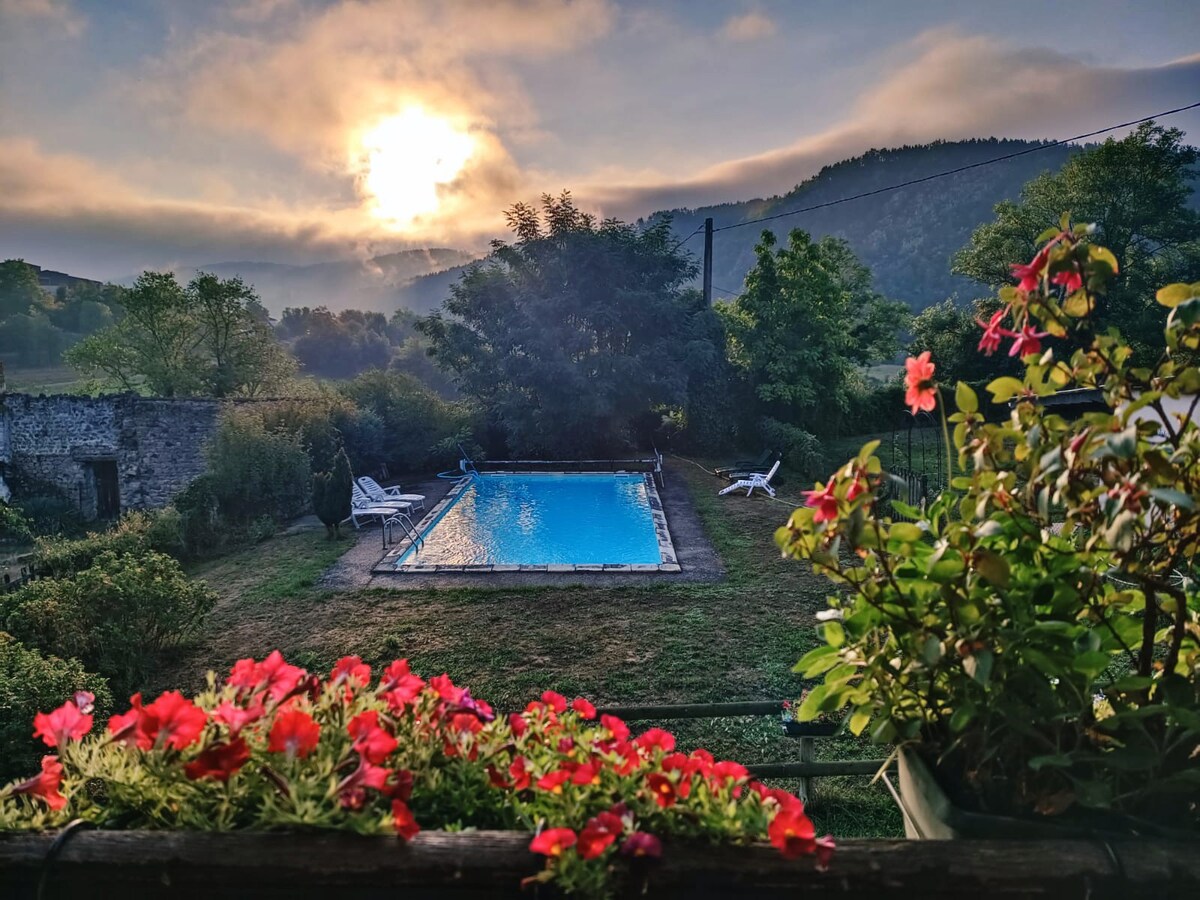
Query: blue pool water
{"type": "Point", "coordinates": [537, 520]}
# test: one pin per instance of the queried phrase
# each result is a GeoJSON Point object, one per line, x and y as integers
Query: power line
{"type": "Point", "coordinates": [975, 165]}
{"type": "Point", "coordinates": [680, 243]}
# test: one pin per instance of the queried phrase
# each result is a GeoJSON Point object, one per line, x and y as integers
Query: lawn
{"type": "Point", "coordinates": [47, 380]}
{"type": "Point", "coordinates": [660, 642]}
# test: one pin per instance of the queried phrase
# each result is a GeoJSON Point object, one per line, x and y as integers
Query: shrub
{"type": "Point", "coordinates": [115, 616]}
{"type": "Point", "coordinates": [29, 682]}
{"type": "Point", "coordinates": [331, 494]}
{"type": "Point", "coordinates": [273, 747]}
{"type": "Point", "coordinates": [56, 557]}
{"type": "Point", "coordinates": [14, 526]}
{"type": "Point", "coordinates": [51, 513]}
{"type": "Point", "coordinates": [199, 517]}
{"type": "Point", "coordinates": [255, 471]}
{"type": "Point", "coordinates": [801, 451]}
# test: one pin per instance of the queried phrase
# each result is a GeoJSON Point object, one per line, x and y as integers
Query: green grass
{"type": "Point", "coordinates": [49, 380]}
{"type": "Point", "coordinates": [661, 641]}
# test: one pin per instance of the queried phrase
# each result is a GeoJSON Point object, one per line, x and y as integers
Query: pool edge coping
{"type": "Point", "coordinates": [668, 559]}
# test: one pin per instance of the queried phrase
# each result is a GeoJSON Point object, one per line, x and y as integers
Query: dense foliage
{"type": "Point", "coordinates": [207, 338]}
{"type": "Point", "coordinates": [331, 494]}
{"type": "Point", "coordinates": [570, 335]}
{"type": "Point", "coordinates": [1036, 630]}
{"type": "Point", "coordinates": [30, 681]}
{"type": "Point", "coordinates": [806, 324]}
{"type": "Point", "coordinates": [272, 747]}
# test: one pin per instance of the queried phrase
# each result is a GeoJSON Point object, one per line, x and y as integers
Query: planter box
{"type": "Point", "coordinates": [190, 866]}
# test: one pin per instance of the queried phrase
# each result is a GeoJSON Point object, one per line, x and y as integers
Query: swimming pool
{"type": "Point", "coordinates": [549, 522]}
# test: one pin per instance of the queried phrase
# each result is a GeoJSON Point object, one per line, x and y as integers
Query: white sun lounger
{"type": "Point", "coordinates": [756, 480]}
{"type": "Point", "coordinates": [380, 494]}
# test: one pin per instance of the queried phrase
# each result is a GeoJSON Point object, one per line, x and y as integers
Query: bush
{"type": "Point", "coordinates": [115, 616]}
{"type": "Point", "coordinates": [61, 557]}
{"type": "Point", "coordinates": [802, 452]}
{"type": "Point", "coordinates": [51, 513]}
{"type": "Point", "coordinates": [199, 518]}
{"type": "Point", "coordinates": [331, 494]}
{"type": "Point", "coordinates": [14, 526]}
{"type": "Point", "coordinates": [30, 682]}
{"type": "Point", "coordinates": [254, 470]}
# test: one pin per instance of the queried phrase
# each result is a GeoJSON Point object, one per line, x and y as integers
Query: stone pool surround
{"type": "Point", "coordinates": [669, 562]}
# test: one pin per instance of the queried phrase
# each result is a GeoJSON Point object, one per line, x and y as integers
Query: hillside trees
{"type": "Point", "coordinates": [1136, 190]}
{"type": "Point", "coordinates": [210, 337]}
{"type": "Point", "coordinates": [572, 334]}
{"type": "Point", "coordinates": [806, 323]}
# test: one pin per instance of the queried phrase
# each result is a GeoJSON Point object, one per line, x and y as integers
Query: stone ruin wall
{"type": "Point", "coordinates": [157, 445]}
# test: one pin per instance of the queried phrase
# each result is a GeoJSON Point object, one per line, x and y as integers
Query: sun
{"type": "Point", "coordinates": [405, 159]}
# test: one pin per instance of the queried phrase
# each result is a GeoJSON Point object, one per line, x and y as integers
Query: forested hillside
{"type": "Point", "coordinates": [905, 237]}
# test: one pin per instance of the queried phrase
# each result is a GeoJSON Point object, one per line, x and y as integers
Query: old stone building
{"type": "Point", "coordinates": [108, 454]}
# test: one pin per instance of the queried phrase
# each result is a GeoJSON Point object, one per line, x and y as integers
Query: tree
{"type": "Point", "coordinates": [1136, 192]}
{"type": "Point", "coordinates": [19, 288]}
{"type": "Point", "coordinates": [806, 324]}
{"type": "Point", "coordinates": [210, 338]}
{"type": "Point", "coordinates": [331, 494]}
{"type": "Point", "coordinates": [951, 334]}
{"type": "Point", "coordinates": [568, 337]}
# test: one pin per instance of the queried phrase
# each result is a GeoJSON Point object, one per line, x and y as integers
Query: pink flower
{"type": "Point", "coordinates": [235, 717]}
{"type": "Point", "coordinates": [128, 728]}
{"type": "Point", "coordinates": [642, 844]}
{"type": "Point", "coordinates": [824, 501]}
{"type": "Point", "coordinates": [918, 379]}
{"type": "Point", "coordinates": [1030, 276]}
{"type": "Point", "coordinates": [1028, 340]}
{"type": "Point", "coordinates": [1069, 279]}
{"type": "Point", "coordinates": [63, 725]}
{"type": "Point", "coordinates": [992, 332]}
{"type": "Point", "coordinates": [86, 701]}
{"type": "Point", "coordinates": [598, 835]}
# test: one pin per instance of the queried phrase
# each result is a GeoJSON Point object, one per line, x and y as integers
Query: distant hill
{"type": "Point", "coordinates": [906, 237]}
{"type": "Point", "coordinates": [382, 283]}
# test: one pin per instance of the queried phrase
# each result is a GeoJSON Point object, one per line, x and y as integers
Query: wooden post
{"type": "Point", "coordinates": [808, 748]}
{"type": "Point", "coordinates": [708, 250]}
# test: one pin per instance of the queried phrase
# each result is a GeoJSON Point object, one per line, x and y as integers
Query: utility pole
{"type": "Point", "coordinates": [708, 233]}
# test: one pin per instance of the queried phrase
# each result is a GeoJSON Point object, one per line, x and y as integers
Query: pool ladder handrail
{"type": "Point", "coordinates": [410, 530]}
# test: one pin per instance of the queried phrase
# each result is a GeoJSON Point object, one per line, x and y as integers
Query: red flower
{"type": "Point", "coordinates": [46, 784]}
{"type": "Point", "coordinates": [350, 668]}
{"type": "Point", "coordinates": [517, 723]}
{"type": "Point", "coordinates": [656, 737]}
{"type": "Point", "coordinates": [236, 717]}
{"type": "Point", "coordinates": [918, 379]}
{"type": "Point", "coordinates": [173, 721]}
{"type": "Point", "coordinates": [825, 502]}
{"type": "Point", "coordinates": [403, 820]}
{"type": "Point", "coordinates": [642, 844]}
{"type": "Point", "coordinates": [244, 675]}
{"type": "Point", "coordinates": [992, 332]}
{"type": "Point", "coordinates": [495, 778]}
{"type": "Point", "coordinates": [279, 677]}
{"type": "Point", "coordinates": [63, 725]}
{"type": "Point", "coordinates": [617, 728]}
{"type": "Point", "coordinates": [219, 761]}
{"type": "Point", "coordinates": [662, 788]}
{"type": "Point", "coordinates": [294, 733]}
{"type": "Point", "coordinates": [446, 688]}
{"type": "Point", "coordinates": [519, 771]}
{"type": "Point", "coordinates": [598, 835]}
{"type": "Point", "coordinates": [584, 707]}
{"type": "Point", "coordinates": [395, 673]}
{"type": "Point", "coordinates": [1030, 276]}
{"type": "Point", "coordinates": [405, 692]}
{"type": "Point", "coordinates": [553, 781]}
{"type": "Point", "coordinates": [727, 771]}
{"type": "Point", "coordinates": [792, 833]}
{"type": "Point", "coordinates": [630, 758]}
{"type": "Point", "coordinates": [467, 722]}
{"type": "Point", "coordinates": [588, 773]}
{"type": "Point", "coordinates": [556, 702]}
{"type": "Point", "coordinates": [352, 789]}
{"type": "Point", "coordinates": [1028, 340]}
{"type": "Point", "coordinates": [552, 841]}
{"type": "Point", "coordinates": [372, 742]}
{"type": "Point", "coordinates": [127, 727]}
{"type": "Point", "coordinates": [1070, 279]}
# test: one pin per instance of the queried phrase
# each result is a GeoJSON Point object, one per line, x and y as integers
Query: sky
{"type": "Point", "coordinates": [158, 134]}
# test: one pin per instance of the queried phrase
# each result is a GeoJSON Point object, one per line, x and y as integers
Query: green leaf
{"type": "Point", "coordinates": [1078, 305]}
{"type": "Point", "coordinates": [1174, 294]}
{"type": "Point", "coordinates": [909, 512]}
{"type": "Point", "coordinates": [1097, 253]}
{"type": "Point", "coordinates": [859, 721]}
{"type": "Point", "coordinates": [1091, 663]}
{"type": "Point", "coordinates": [1004, 389]}
{"type": "Point", "coordinates": [979, 666]}
{"type": "Point", "coordinates": [1131, 684]}
{"type": "Point", "coordinates": [962, 717]}
{"type": "Point", "coordinates": [993, 567]}
{"type": "Point", "coordinates": [905, 532]}
{"type": "Point", "coordinates": [811, 707]}
{"type": "Point", "coordinates": [1172, 497]}
{"type": "Point", "coordinates": [1053, 760]}
{"type": "Point", "coordinates": [814, 662]}
{"type": "Point", "coordinates": [931, 650]}
{"type": "Point", "coordinates": [833, 633]}
{"type": "Point", "coordinates": [965, 399]}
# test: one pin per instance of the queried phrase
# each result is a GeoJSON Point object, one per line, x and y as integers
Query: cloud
{"type": "Point", "coordinates": [751, 26]}
{"type": "Point", "coordinates": [952, 87]}
{"type": "Point", "coordinates": [57, 12]}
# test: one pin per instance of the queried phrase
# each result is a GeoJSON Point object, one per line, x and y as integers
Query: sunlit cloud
{"type": "Point", "coordinates": [60, 14]}
{"type": "Point", "coordinates": [751, 26]}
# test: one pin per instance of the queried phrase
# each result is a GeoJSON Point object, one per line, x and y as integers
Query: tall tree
{"type": "Point", "coordinates": [19, 289]}
{"type": "Point", "coordinates": [210, 338]}
{"type": "Point", "coordinates": [573, 333]}
{"type": "Point", "coordinates": [805, 325]}
{"type": "Point", "coordinates": [1136, 191]}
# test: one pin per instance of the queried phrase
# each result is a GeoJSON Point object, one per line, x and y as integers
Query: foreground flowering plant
{"type": "Point", "coordinates": [273, 747]}
{"type": "Point", "coordinates": [1035, 631]}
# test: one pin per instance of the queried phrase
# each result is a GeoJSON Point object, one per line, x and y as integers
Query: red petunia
{"type": "Point", "coordinates": [518, 770]}
{"type": "Point", "coordinates": [279, 677]}
{"type": "Point", "coordinates": [517, 723]}
{"type": "Point", "coordinates": [219, 761]}
{"type": "Point", "coordinates": [446, 688]}
{"type": "Point", "coordinates": [584, 707]}
{"type": "Point", "coordinates": [1028, 340]}
{"type": "Point", "coordinates": [45, 784]}
{"type": "Point", "coordinates": [616, 727]}
{"type": "Point", "coordinates": [553, 781]}
{"type": "Point", "coordinates": [792, 833]}
{"type": "Point", "coordinates": [726, 771]}
{"type": "Point", "coordinates": [127, 727]}
{"type": "Point", "coordinates": [396, 672]}
{"type": "Point", "coordinates": [642, 844]}
{"type": "Point", "coordinates": [588, 773]}
{"type": "Point", "coordinates": [237, 717]}
{"type": "Point", "coordinates": [294, 733]}
{"type": "Point", "coordinates": [403, 820]}
{"type": "Point", "coordinates": [556, 702]}
{"type": "Point", "coordinates": [656, 737]}
{"type": "Point", "coordinates": [662, 788]}
{"type": "Point", "coordinates": [173, 721]}
{"type": "Point", "coordinates": [62, 726]}
{"type": "Point", "coordinates": [598, 835]}
{"type": "Point", "coordinates": [825, 502]}
{"type": "Point", "coordinates": [350, 668]}
{"type": "Point", "coordinates": [371, 741]}
{"type": "Point", "coordinates": [921, 394]}
{"type": "Point", "coordinates": [553, 841]}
